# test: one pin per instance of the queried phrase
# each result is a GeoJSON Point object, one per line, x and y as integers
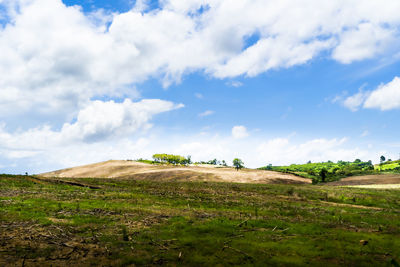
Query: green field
{"type": "Point", "coordinates": [331, 171]}
{"type": "Point", "coordinates": [121, 222]}
{"type": "Point", "coordinates": [388, 166]}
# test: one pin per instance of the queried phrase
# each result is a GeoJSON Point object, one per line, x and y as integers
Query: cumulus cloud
{"type": "Point", "coordinates": [239, 132]}
{"type": "Point", "coordinates": [355, 101]}
{"type": "Point", "coordinates": [98, 121]}
{"type": "Point", "coordinates": [57, 57]}
{"type": "Point", "coordinates": [42, 149]}
{"type": "Point", "coordinates": [365, 41]}
{"type": "Point", "coordinates": [385, 97]}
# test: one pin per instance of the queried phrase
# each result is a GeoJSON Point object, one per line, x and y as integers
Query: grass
{"type": "Point", "coordinates": [388, 166]}
{"type": "Point", "coordinates": [195, 223]}
{"type": "Point", "coordinates": [326, 171]}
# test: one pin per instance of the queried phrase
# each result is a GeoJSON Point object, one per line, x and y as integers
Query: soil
{"type": "Point", "coordinates": [380, 179]}
{"type": "Point", "coordinates": [22, 241]}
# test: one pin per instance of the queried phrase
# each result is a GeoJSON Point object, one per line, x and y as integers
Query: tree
{"type": "Point", "coordinates": [322, 173]}
{"type": "Point", "coordinates": [212, 162]}
{"type": "Point", "coordinates": [382, 159]}
{"type": "Point", "coordinates": [238, 163]}
{"type": "Point", "coordinates": [224, 163]}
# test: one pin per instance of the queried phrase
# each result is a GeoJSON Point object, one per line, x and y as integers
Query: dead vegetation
{"type": "Point", "coordinates": [33, 244]}
{"type": "Point", "coordinates": [369, 180]}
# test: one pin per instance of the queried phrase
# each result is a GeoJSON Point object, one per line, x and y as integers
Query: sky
{"type": "Point", "coordinates": [270, 82]}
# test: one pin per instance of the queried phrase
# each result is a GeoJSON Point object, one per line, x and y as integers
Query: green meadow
{"type": "Point", "coordinates": [123, 222]}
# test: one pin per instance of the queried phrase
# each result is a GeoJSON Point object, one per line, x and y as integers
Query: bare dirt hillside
{"type": "Point", "coordinates": [381, 179]}
{"type": "Point", "coordinates": [140, 171]}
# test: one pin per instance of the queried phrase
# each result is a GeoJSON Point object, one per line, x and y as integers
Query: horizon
{"type": "Point", "coordinates": [264, 81]}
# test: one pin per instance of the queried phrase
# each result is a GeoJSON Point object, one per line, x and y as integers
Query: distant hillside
{"type": "Point", "coordinates": [388, 166]}
{"type": "Point", "coordinates": [326, 171]}
{"type": "Point", "coordinates": [167, 172]}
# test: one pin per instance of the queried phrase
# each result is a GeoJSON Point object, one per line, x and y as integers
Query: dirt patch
{"type": "Point", "coordinates": [30, 244]}
{"type": "Point", "coordinates": [138, 170]}
{"type": "Point", "coordinates": [349, 205]}
{"type": "Point", "coordinates": [377, 186]}
{"type": "Point", "coordinates": [369, 180]}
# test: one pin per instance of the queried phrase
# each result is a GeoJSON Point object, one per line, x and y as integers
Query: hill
{"type": "Point", "coordinates": [326, 171]}
{"type": "Point", "coordinates": [163, 172]}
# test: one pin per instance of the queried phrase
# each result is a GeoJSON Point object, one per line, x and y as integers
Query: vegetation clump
{"type": "Point", "coordinates": [326, 171]}
{"type": "Point", "coordinates": [238, 164]}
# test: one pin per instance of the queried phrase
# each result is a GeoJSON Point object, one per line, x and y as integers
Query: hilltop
{"type": "Point", "coordinates": [167, 172]}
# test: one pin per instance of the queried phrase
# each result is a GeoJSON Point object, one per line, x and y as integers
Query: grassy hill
{"type": "Point", "coordinates": [140, 170]}
{"type": "Point", "coordinates": [111, 221]}
{"type": "Point", "coordinates": [388, 166]}
{"type": "Point", "coordinates": [331, 171]}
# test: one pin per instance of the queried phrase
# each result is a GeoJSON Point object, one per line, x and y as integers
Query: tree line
{"type": "Point", "coordinates": [172, 159]}
{"type": "Point", "coordinates": [180, 160]}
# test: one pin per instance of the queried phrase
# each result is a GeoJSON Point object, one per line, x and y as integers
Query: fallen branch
{"type": "Point", "coordinates": [240, 224]}
{"type": "Point", "coordinates": [57, 181]}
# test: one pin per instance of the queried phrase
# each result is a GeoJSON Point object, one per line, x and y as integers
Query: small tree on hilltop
{"type": "Point", "coordinates": [238, 163]}
{"type": "Point", "coordinates": [382, 159]}
{"type": "Point", "coordinates": [322, 173]}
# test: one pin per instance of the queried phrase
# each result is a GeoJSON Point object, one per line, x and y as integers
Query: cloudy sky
{"type": "Point", "coordinates": [264, 80]}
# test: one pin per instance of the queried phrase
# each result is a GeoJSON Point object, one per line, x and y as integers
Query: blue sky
{"type": "Point", "coordinates": [85, 81]}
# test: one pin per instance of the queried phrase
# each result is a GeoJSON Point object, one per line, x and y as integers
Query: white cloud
{"type": "Point", "coordinates": [40, 150]}
{"type": "Point", "coordinates": [55, 60]}
{"type": "Point", "coordinates": [78, 57]}
{"type": "Point", "coordinates": [239, 132]}
{"type": "Point", "coordinates": [385, 97]}
{"type": "Point", "coordinates": [365, 41]}
{"type": "Point", "coordinates": [206, 113]}
{"type": "Point", "coordinates": [355, 101]}
{"type": "Point", "coordinates": [99, 121]}
{"type": "Point", "coordinates": [234, 83]}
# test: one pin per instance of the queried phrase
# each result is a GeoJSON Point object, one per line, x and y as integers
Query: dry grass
{"type": "Point", "coordinates": [380, 179]}
{"type": "Point", "coordinates": [140, 171]}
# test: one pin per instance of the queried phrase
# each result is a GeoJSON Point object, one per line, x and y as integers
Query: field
{"type": "Point", "coordinates": [331, 171]}
{"type": "Point", "coordinates": [377, 179]}
{"type": "Point", "coordinates": [388, 166]}
{"type": "Point", "coordinates": [120, 221]}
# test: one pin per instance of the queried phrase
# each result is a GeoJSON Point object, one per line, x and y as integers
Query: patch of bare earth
{"type": "Point", "coordinates": [30, 244]}
{"type": "Point", "coordinates": [381, 179]}
{"type": "Point", "coordinates": [141, 171]}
